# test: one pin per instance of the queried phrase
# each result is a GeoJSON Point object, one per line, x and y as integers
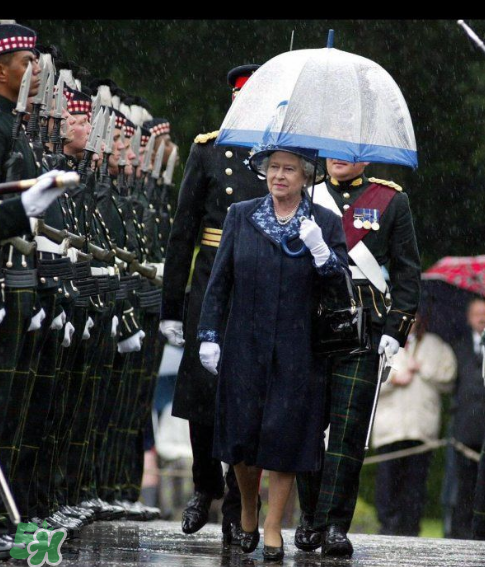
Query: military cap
{"type": "Point", "coordinates": [157, 126]}
{"type": "Point", "coordinates": [129, 128]}
{"type": "Point", "coordinates": [79, 103]}
{"type": "Point", "coordinates": [105, 88]}
{"type": "Point", "coordinates": [239, 75]}
{"type": "Point", "coordinates": [120, 117]}
{"type": "Point", "coordinates": [14, 37]}
{"type": "Point", "coordinates": [145, 136]}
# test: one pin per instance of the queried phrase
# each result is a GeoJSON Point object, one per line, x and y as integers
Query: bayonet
{"type": "Point", "coordinates": [122, 160]}
{"type": "Point", "coordinates": [21, 107]}
{"type": "Point", "coordinates": [102, 126]}
{"type": "Point", "coordinates": [46, 106]}
{"type": "Point", "coordinates": [168, 173]}
{"type": "Point", "coordinates": [110, 132]}
{"type": "Point", "coordinates": [157, 166]}
{"type": "Point", "coordinates": [44, 73]}
{"type": "Point", "coordinates": [96, 105]}
{"type": "Point", "coordinates": [148, 154]}
{"type": "Point", "coordinates": [57, 113]}
{"type": "Point", "coordinates": [55, 137]}
{"type": "Point", "coordinates": [135, 146]}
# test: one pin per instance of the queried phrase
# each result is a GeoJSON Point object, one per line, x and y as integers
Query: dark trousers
{"type": "Point", "coordinates": [208, 477]}
{"type": "Point", "coordinates": [462, 515]}
{"type": "Point", "coordinates": [330, 495]}
{"type": "Point", "coordinates": [478, 524]}
{"type": "Point", "coordinates": [401, 490]}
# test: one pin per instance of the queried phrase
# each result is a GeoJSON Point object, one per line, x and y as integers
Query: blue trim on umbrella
{"type": "Point", "coordinates": [327, 147]}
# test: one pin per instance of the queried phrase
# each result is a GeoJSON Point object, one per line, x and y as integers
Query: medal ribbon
{"type": "Point", "coordinates": [374, 197]}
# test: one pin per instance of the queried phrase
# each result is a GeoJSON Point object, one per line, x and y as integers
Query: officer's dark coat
{"type": "Point", "coordinates": [212, 182]}
{"type": "Point", "coordinates": [393, 245]}
{"type": "Point", "coordinates": [13, 220]}
{"type": "Point", "coordinates": [270, 398]}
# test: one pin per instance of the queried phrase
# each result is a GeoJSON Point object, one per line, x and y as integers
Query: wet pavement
{"type": "Point", "coordinates": [107, 544]}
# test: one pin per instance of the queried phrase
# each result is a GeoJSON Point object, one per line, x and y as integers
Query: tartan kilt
{"type": "Point", "coordinates": [329, 497]}
{"type": "Point", "coordinates": [478, 522]}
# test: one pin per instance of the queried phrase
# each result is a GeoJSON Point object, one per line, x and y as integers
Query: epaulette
{"type": "Point", "coordinates": [386, 183]}
{"type": "Point", "coordinates": [204, 138]}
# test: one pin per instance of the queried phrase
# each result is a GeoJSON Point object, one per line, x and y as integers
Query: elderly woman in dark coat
{"type": "Point", "coordinates": [270, 397]}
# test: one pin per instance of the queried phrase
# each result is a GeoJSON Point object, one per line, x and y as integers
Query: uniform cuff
{"type": "Point", "coordinates": [208, 335]}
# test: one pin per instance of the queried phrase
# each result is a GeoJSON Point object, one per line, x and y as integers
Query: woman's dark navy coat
{"type": "Point", "coordinates": [270, 398]}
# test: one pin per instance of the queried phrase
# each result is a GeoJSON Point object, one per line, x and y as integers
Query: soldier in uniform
{"type": "Point", "coordinates": [214, 178]}
{"type": "Point", "coordinates": [379, 230]}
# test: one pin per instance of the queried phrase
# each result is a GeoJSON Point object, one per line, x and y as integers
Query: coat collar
{"type": "Point", "coordinates": [6, 105]}
{"type": "Point", "coordinates": [263, 218]}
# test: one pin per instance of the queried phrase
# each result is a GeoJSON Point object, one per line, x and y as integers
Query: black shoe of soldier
{"type": "Point", "coordinates": [60, 517]}
{"type": "Point", "coordinates": [51, 523]}
{"type": "Point", "coordinates": [196, 515]}
{"type": "Point", "coordinates": [5, 546]}
{"type": "Point", "coordinates": [88, 514]}
{"type": "Point", "coordinates": [131, 510]}
{"type": "Point", "coordinates": [116, 512]}
{"type": "Point", "coordinates": [306, 538]}
{"type": "Point", "coordinates": [152, 512]}
{"type": "Point", "coordinates": [336, 543]}
{"type": "Point", "coordinates": [231, 535]}
{"type": "Point", "coordinates": [76, 515]}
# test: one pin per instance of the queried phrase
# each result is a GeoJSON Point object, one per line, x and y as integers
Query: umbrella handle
{"type": "Point", "coordinates": [292, 253]}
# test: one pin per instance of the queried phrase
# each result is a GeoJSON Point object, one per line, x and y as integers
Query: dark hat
{"type": "Point", "coordinates": [79, 103]}
{"type": "Point", "coordinates": [157, 126]}
{"type": "Point", "coordinates": [129, 128]}
{"type": "Point", "coordinates": [14, 37]}
{"type": "Point", "coordinates": [51, 50]}
{"type": "Point", "coordinates": [145, 136]}
{"type": "Point", "coordinates": [120, 117]}
{"type": "Point", "coordinates": [256, 160]}
{"type": "Point", "coordinates": [239, 75]}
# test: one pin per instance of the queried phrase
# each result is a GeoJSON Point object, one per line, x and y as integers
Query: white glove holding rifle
{"type": "Point", "coordinates": [173, 331]}
{"type": "Point", "coordinates": [311, 235]}
{"type": "Point", "coordinates": [389, 347]}
{"type": "Point", "coordinates": [41, 195]}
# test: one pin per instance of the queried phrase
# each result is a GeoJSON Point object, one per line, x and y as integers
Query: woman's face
{"type": "Point", "coordinates": [285, 175]}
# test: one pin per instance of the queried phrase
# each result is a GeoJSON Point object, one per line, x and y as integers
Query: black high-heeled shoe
{"type": "Point", "coordinates": [271, 553]}
{"type": "Point", "coordinates": [250, 540]}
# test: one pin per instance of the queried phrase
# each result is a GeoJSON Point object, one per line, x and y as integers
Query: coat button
{"type": "Point", "coordinates": [346, 207]}
{"type": "Point", "coordinates": [229, 190]}
{"type": "Point", "coordinates": [43, 280]}
{"type": "Point", "coordinates": [228, 171]}
{"type": "Point", "coordinates": [229, 154]}
{"type": "Point", "coordinates": [346, 195]}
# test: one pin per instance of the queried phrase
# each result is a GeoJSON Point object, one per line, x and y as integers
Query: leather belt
{"type": "Point", "coordinates": [131, 282]}
{"type": "Point", "coordinates": [212, 237]}
{"type": "Point", "coordinates": [151, 298]}
{"type": "Point", "coordinates": [109, 271]}
{"type": "Point", "coordinates": [82, 270]}
{"type": "Point", "coordinates": [57, 267]}
{"type": "Point", "coordinates": [21, 278]}
{"type": "Point", "coordinates": [46, 245]}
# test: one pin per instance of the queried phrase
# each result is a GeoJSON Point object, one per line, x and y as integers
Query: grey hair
{"type": "Point", "coordinates": [306, 165]}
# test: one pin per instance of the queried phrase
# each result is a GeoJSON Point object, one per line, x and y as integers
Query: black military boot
{"type": "Point", "coordinates": [306, 538]}
{"type": "Point", "coordinates": [196, 514]}
{"type": "Point", "coordinates": [335, 542]}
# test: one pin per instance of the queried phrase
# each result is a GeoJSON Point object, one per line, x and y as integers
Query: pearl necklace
{"type": "Point", "coordinates": [287, 218]}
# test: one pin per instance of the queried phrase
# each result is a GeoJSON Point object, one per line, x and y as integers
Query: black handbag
{"type": "Point", "coordinates": [337, 330]}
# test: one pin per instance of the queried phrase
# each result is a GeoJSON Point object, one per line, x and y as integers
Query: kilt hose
{"type": "Point", "coordinates": [131, 466]}
{"type": "Point", "coordinates": [329, 496]}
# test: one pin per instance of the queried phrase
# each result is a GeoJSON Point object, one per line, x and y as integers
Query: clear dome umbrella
{"type": "Point", "coordinates": [342, 105]}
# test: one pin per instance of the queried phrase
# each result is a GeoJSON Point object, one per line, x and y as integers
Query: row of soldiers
{"type": "Point", "coordinates": [80, 298]}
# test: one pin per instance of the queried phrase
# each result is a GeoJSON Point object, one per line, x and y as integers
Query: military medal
{"type": "Point", "coordinates": [375, 220]}
{"type": "Point", "coordinates": [358, 215]}
{"type": "Point", "coordinates": [367, 223]}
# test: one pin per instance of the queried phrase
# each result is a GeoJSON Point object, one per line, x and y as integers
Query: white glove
{"type": "Point", "coordinates": [209, 354]}
{"type": "Point", "coordinates": [59, 321]}
{"type": "Point", "coordinates": [132, 344]}
{"type": "Point", "coordinates": [2, 314]}
{"type": "Point", "coordinates": [38, 198]}
{"type": "Point", "coordinates": [36, 321]}
{"type": "Point", "coordinates": [311, 234]}
{"type": "Point", "coordinates": [89, 325]}
{"type": "Point", "coordinates": [114, 325]}
{"type": "Point", "coordinates": [388, 345]}
{"type": "Point", "coordinates": [68, 332]}
{"type": "Point", "coordinates": [173, 330]}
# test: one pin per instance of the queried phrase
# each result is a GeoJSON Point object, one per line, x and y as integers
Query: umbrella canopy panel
{"type": "Point", "coordinates": [343, 105]}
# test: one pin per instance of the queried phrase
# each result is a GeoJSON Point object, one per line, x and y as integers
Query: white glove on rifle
{"type": "Point", "coordinates": [114, 325]}
{"type": "Point", "coordinates": [59, 321]}
{"type": "Point", "coordinates": [2, 314]}
{"type": "Point", "coordinates": [209, 354]}
{"type": "Point", "coordinates": [89, 325]}
{"type": "Point", "coordinates": [133, 344]}
{"type": "Point", "coordinates": [38, 198]}
{"type": "Point", "coordinates": [173, 330]}
{"type": "Point", "coordinates": [68, 332]}
{"type": "Point", "coordinates": [388, 345]}
{"type": "Point", "coordinates": [311, 234]}
{"type": "Point", "coordinates": [36, 321]}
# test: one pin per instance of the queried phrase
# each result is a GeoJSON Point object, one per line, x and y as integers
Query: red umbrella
{"type": "Point", "coordinates": [465, 272]}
